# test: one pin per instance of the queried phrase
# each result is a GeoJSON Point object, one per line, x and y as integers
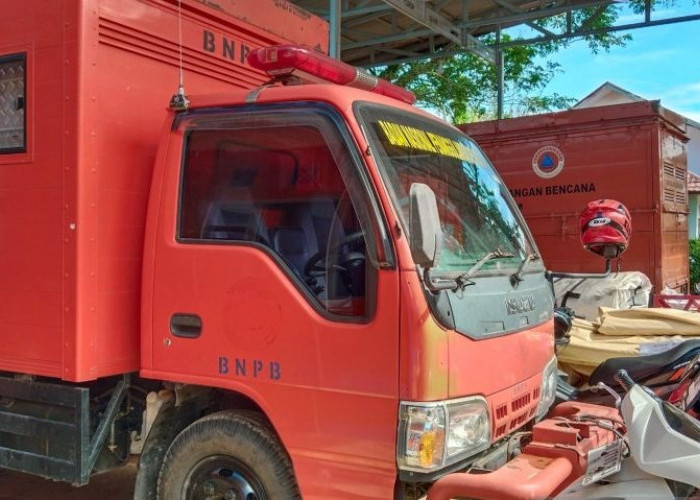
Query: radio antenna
{"type": "Point", "coordinates": [179, 100]}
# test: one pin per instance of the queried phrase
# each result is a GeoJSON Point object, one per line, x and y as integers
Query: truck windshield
{"type": "Point", "coordinates": [477, 214]}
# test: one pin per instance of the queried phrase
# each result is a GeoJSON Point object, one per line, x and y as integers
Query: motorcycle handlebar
{"type": "Point", "coordinates": [623, 378]}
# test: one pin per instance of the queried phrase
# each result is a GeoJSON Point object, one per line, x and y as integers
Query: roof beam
{"type": "Point", "coordinates": [399, 37]}
{"type": "Point", "coordinates": [388, 61]}
{"type": "Point", "coordinates": [532, 15]}
{"type": "Point", "coordinates": [357, 21]}
{"type": "Point", "coordinates": [517, 10]}
{"type": "Point", "coordinates": [611, 29]}
{"type": "Point", "coordinates": [419, 11]}
{"type": "Point", "coordinates": [363, 11]}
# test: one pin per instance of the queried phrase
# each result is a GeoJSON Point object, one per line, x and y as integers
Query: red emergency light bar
{"type": "Point", "coordinates": [312, 66]}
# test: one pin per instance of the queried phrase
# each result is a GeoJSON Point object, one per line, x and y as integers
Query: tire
{"type": "Point", "coordinates": [230, 456]}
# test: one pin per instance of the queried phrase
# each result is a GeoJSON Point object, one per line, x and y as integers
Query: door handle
{"type": "Point", "coordinates": [186, 325]}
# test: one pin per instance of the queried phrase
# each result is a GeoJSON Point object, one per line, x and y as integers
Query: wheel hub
{"type": "Point", "coordinates": [223, 478]}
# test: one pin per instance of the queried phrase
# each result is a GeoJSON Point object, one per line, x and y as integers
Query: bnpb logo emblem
{"type": "Point", "coordinates": [548, 161]}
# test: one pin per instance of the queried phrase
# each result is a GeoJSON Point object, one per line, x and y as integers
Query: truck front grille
{"type": "Point", "coordinates": [514, 407]}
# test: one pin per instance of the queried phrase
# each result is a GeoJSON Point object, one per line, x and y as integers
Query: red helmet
{"type": "Point", "coordinates": [606, 228]}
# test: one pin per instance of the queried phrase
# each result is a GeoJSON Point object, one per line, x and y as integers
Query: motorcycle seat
{"type": "Point", "coordinates": [644, 368]}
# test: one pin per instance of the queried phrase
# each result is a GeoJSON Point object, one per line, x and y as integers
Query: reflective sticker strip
{"type": "Point", "coordinates": [411, 137]}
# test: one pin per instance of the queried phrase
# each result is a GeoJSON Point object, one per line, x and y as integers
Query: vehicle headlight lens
{"type": "Point", "coordinates": [433, 435]}
{"type": "Point", "coordinates": [548, 390]}
{"type": "Point", "coordinates": [468, 428]}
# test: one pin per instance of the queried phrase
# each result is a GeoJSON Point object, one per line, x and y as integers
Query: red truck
{"type": "Point", "coordinates": [257, 290]}
{"type": "Point", "coordinates": [554, 163]}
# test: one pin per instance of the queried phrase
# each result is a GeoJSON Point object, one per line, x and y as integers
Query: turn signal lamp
{"type": "Point", "coordinates": [311, 66]}
{"type": "Point", "coordinates": [425, 436]}
{"type": "Point", "coordinates": [429, 449]}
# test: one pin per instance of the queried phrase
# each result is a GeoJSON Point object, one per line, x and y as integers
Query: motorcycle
{"type": "Point", "coordinates": [663, 443]}
{"type": "Point", "coordinates": [673, 375]}
{"type": "Point", "coordinates": [643, 448]}
{"type": "Point", "coordinates": [661, 455]}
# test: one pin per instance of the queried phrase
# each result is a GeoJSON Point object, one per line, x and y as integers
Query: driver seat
{"type": "Point", "coordinates": [235, 222]}
{"type": "Point", "coordinates": [293, 245]}
{"type": "Point", "coordinates": [296, 239]}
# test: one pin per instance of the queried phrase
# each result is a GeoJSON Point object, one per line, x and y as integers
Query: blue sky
{"type": "Point", "coordinates": [661, 62]}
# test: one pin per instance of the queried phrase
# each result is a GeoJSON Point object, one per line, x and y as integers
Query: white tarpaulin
{"type": "Point", "coordinates": [618, 291]}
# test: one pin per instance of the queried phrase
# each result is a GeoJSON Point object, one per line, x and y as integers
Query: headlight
{"type": "Point", "coordinates": [548, 390]}
{"type": "Point", "coordinates": [433, 435]}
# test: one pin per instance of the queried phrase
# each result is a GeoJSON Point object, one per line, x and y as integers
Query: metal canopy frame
{"type": "Point", "coordinates": [382, 32]}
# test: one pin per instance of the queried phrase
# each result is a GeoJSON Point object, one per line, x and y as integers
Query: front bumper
{"type": "Point", "coordinates": [558, 454]}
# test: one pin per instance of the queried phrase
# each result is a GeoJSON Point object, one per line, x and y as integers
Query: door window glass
{"type": "Point", "coordinates": [286, 183]}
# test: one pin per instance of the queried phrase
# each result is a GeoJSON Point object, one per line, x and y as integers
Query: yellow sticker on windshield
{"type": "Point", "coordinates": [405, 136]}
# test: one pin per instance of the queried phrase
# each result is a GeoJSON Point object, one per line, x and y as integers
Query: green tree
{"type": "Point", "coordinates": [462, 87]}
{"type": "Point", "coordinates": [695, 266]}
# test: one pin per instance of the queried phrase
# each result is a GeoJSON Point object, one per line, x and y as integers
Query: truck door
{"type": "Point", "coordinates": [272, 277]}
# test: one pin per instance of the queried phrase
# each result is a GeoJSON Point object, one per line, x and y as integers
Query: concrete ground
{"type": "Point", "coordinates": [114, 485]}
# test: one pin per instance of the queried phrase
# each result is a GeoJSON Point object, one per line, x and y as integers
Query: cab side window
{"type": "Point", "coordinates": [12, 103]}
{"type": "Point", "coordinates": [279, 185]}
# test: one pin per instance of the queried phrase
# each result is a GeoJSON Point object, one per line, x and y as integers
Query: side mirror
{"type": "Point", "coordinates": [424, 226]}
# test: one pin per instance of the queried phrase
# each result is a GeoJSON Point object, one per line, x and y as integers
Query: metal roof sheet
{"type": "Point", "coordinates": [379, 32]}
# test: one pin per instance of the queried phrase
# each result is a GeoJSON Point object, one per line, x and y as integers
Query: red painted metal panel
{"type": "Point", "coordinates": [555, 163]}
{"type": "Point", "coordinates": [32, 200]}
{"type": "Point", "coordinates": [100, 74]}
{"type": "Point", "coordinates": [685, 302]}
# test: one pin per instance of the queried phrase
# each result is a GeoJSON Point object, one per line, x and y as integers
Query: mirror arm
{"type": "Point", "coordinates": [609, 390]}
{"type": "Point", "coordinates": [557, 274]}
{"type": "Point", "coordinates": [437, 286]}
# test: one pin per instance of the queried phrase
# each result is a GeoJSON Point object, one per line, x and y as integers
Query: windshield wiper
{"type": "Point", "coordinates": [465, 279]}
{"type": "Point", "coordinates": [517, 276]}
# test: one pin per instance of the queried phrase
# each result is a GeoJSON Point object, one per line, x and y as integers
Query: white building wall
{"type": "Point", "coordinates": [693, 216]}
{"type": "Point", "coordinates": [693, 150]}
{"type": "Point", "coordinates": [693, 147]}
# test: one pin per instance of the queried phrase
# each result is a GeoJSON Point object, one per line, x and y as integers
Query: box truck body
{"type": "Point", "coordinates": [635, 153]}
{"type": "Point", "coordinates": [98, 78]}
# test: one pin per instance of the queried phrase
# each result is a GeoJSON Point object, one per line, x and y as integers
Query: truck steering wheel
{"type": "Point", "coordinates": [317, 265]}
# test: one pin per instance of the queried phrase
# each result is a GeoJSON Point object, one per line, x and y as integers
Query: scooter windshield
{"type": "Point", "coordinates": [681, 422]}
{"type": "Point", "coordinates": [477, 214]}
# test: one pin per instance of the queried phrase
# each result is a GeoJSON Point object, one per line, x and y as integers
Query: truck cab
{"type": "Point", "coordinates": [281, 269]}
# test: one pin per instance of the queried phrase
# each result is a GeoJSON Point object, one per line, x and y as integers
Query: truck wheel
{"type": "Point", "coordinates": [229, 456]}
